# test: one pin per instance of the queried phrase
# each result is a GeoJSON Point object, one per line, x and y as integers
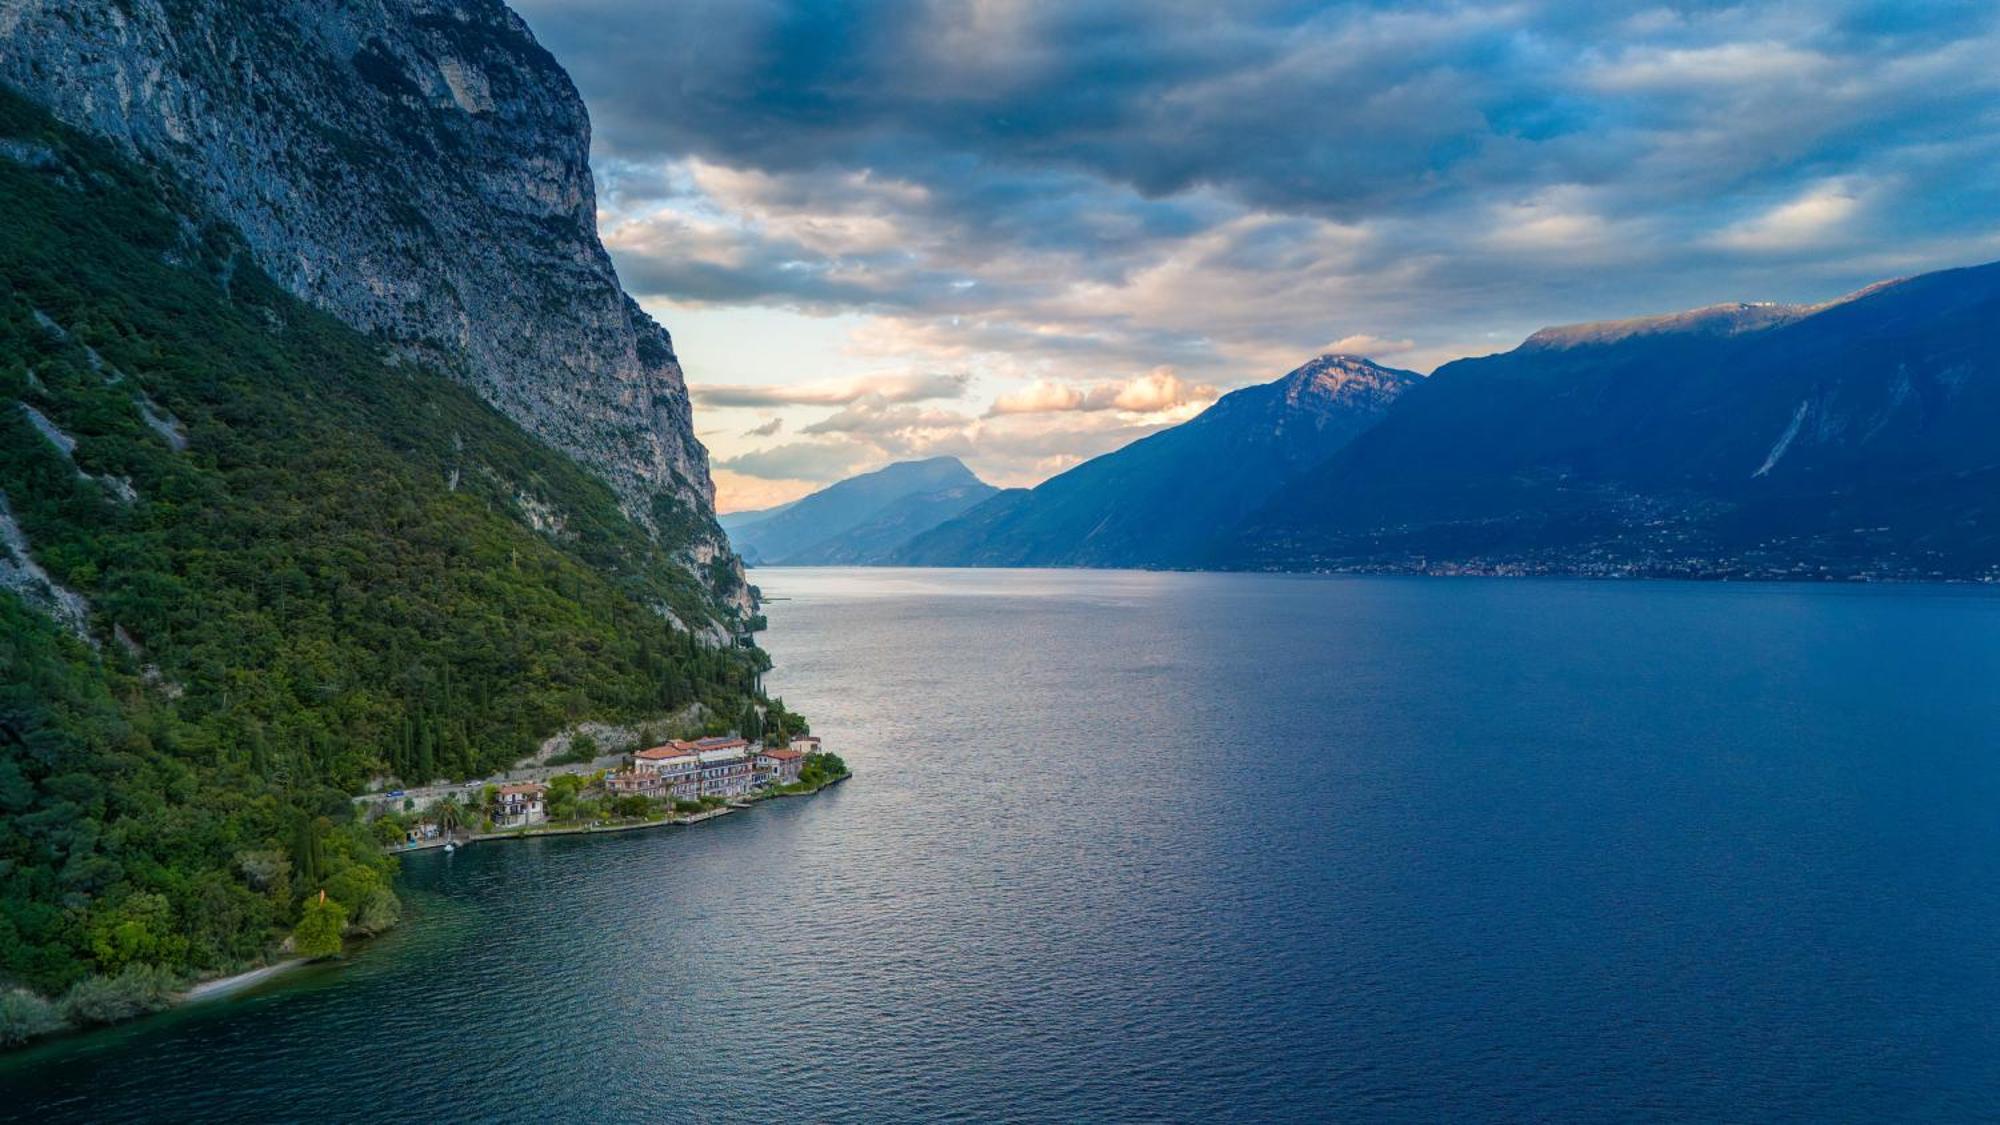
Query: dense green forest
{"type": "Point", "coordinates": [306, 564]}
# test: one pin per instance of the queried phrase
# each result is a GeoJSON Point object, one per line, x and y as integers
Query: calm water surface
{"type": "Point", "coordinates": [1168, 847]}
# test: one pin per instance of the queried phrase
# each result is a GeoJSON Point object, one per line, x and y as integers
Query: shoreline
{"type": "Point", "coordinates": [217, 987]}
{"type": "Point", "coordinates": [738, 805]}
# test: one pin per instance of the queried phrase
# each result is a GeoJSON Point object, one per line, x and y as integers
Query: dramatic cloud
{"type": "Point", "coordinates": [1054, 198]}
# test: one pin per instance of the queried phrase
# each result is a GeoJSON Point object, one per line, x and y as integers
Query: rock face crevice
{"type": "Point", "coordinates": [420, 170]}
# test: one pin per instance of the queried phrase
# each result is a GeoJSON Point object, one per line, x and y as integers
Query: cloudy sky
{"type": "Point", "coordinates": [1026, 233]}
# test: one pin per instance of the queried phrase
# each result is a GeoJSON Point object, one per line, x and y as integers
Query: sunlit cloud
{"type": "Point", "coordinates": [1152, 393]}
{"type": "Point", "coordinates": [1818, 217]}
{"type": "Point", "coordinates": [1052, 202]}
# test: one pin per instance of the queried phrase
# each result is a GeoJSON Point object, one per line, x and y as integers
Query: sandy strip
{"type": "Point", "coordinates": [223, 986]}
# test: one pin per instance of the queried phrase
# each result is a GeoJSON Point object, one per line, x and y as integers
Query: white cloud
{"type": "Point", "coordinates": [1369, 347]}
{"type": "Point", "coordinates": [1815, 218]}
{"type": "Point", "coordinates": [1706, 68]}
{"type": "Point", "coordinates": [1043, 396]}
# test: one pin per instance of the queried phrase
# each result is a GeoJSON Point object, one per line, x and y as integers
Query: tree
{"type": "Point", "coordinates": [564, 789]}
{"type": "Point", "coordinates": [449, 814]}
{"type": "Point", "coordinates": [318, 932]}
{"type": "Point", "coordinates": [139, 929]}
{"type": "Point", "coordinates": [820, 768]}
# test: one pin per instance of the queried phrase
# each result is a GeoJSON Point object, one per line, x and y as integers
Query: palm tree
{"type": "Point", "coordinates": [450, 816]}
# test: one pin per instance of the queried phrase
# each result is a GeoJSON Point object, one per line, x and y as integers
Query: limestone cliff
{"type": "Point", "coordinates": [420, 169]}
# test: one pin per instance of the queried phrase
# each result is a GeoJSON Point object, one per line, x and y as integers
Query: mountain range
{"type": "Point", "coordinates": [859, 521]}
{"type": "Point", "coordinates": [1851, 438]}
{"type": "Point", "coordinates": [1160, 500]}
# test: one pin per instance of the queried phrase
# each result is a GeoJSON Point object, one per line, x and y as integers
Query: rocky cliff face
{"type": "Point", "coordinates": [419, 169]}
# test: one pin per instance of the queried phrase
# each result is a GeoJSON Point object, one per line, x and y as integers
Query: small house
{"type": "Point", "coordinates": [516, 805]}
{"type": "Point", "coordinates": [780, 764]}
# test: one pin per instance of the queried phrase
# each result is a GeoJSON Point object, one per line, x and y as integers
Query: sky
{"type": "Point", "coordinates": [1025, 234]}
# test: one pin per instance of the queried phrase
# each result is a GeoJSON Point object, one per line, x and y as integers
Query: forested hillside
{"type": "Point", "coordinates": [296, 564]}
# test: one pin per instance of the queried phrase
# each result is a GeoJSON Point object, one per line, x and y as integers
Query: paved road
{"type": "Point", "coordinates": [425, 796]}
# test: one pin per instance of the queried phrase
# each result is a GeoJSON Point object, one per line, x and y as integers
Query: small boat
{"type": "Point", "coordinates": [450, 847]}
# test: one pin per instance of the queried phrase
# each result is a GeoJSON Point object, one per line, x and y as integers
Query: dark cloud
{"type": "Point", "coordinates": [1342, 109]}
{"type": "Point", "coordinates": [1090, 188]}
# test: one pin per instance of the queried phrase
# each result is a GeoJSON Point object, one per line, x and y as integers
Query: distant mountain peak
{"type": "Point", "coordinates": [1338, 378]}
{"type": "Point", "coordinates": [863, 518]}
{"type": "Point", "coordinates": [927, 464]}
{"type": "Point", "coordinates": [1160, 500]}
{"type": "Point", "coordinates": [932, 472]}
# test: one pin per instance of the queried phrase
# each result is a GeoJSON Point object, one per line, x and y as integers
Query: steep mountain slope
{"type": "Point", "coordinates": [863, 519]}
{"type": "Point", "coordinates": [251, 560]}
{"type": "Point", "coordinates": [420, 171]}
{"type": "Point", "coordinates": [1162, 499]}
{"type": "Point", "coordinates": [1852, 437]}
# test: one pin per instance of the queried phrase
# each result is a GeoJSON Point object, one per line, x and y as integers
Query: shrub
{"type": "Point", "coordinates": [25, 1016]}
{"type": "Point", "coordinates": [268, 871]}
{"type": "Point", "coordinates": [379, 912]}
{"type": "Point", "coordinates": [818, 769]}
{"type": "Point", "coordinates": [138, 990]}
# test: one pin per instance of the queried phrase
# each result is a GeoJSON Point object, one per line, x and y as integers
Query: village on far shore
{"type": "Point", "coordinates": [676, 782]}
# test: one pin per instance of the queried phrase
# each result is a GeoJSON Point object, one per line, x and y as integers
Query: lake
{"type": "Point", "coordinates": [1130, 846]}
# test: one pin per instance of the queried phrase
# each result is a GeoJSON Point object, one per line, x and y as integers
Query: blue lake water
{"type": "Point", "coordinates": [1131, 846]}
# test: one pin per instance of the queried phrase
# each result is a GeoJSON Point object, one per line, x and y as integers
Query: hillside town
{"type": "Point", "coordinates": [678, 781]}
